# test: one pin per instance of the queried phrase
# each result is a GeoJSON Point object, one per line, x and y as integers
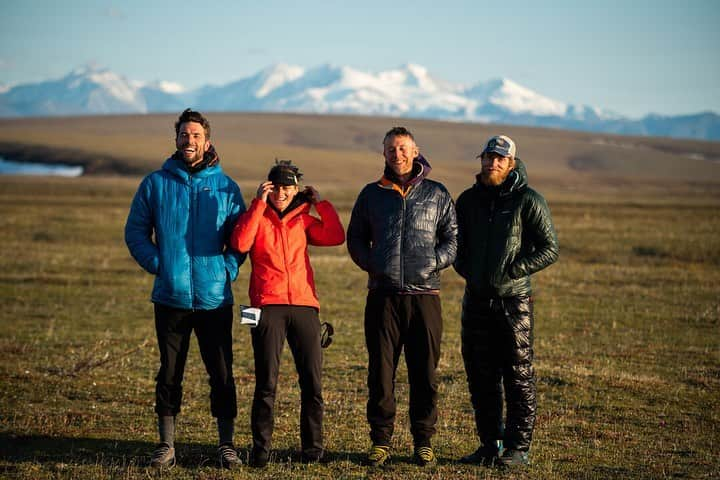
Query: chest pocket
{"type": "Point", "coordinates": [507, 220]}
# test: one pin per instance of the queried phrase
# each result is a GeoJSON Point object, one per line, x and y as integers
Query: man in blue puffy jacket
{"type": "Point", "coordinates": [178, 230]}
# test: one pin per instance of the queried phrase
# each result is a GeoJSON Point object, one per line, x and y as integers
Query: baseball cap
{"type": "Point", "coordinates": [500, 144]}
{"type": "Point", "coordinates": [284, 173]}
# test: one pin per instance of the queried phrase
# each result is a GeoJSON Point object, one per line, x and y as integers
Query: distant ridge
{"type": "Point", "coordinates": [408, 91]}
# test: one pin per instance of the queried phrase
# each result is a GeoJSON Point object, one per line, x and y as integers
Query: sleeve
{"type": "Point", "coordinates": [540, 233]}
{"type": "Point", "coordinates": [233, 257]}
{"type": "Point", "coordinates": [139, 229]}
{"type": "Point", "coordinates": [358, 234]}
{"type": "Point", "coordinates": [447, 230]}
{"type": "Point", "coordinates": [460, 263]}
{"type": "Point", "coordinates": [328, 231]}
{"type": "Point", "coordinates": [246, 227]}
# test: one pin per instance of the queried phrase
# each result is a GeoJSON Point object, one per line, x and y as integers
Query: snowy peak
{"type": "Point", "coordinates": [86, 90]}
{"type": "Point", "coordinates": [96, 82]}
{"type": "Point", "coordinates": [275, 76]}
{"type": "Point", "coordinates": [516, 99]}
{"type": "Point", "coordinates": [408, 91]}
{"type": "Point", "coordinates": [172, 88]}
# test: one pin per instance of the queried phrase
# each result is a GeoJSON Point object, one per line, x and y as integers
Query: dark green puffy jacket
{"type": "Point", "coordinates": [505, 233]}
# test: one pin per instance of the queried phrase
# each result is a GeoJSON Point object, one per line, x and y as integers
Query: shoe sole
{"type": "Point", "coordinates": [166, 466]}
{"type": "Point", "coordinates": [371, 463]}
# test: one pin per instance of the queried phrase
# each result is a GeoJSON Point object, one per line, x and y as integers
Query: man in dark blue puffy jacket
{"type": "Point", "coordinates": [178, 229]}
{"type": "Point", "coordinates": [403, 233]}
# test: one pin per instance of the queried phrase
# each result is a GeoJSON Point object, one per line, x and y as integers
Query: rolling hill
{"type": "Point", "coordinates": [345, 151]}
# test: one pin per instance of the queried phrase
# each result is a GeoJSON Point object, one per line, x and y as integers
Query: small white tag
{"type": "Point", "coordinates": [249, 316]}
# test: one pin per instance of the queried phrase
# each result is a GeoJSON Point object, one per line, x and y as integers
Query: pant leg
{"type": "Point", "coordinates": [518, 373]}
{"type": "Point", "coordinates": [268, 339]}
{"type": "Point", "coordinates": [213, 329]}
{"type": "Point", "coordinates": [173, 327]}
{"type": "Point", "coordinates": [422, 354]}
{"type": "Point", "coordinates": [382, 339]}
{"type": "Point", "coordinates": [303, 337]}
{"type": "Point", "coordinates": [483, 366]}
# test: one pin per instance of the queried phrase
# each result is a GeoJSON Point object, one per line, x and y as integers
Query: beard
{"type": "Point", "coordinates": [193, 158]}
{"type": "Point", "coordinates": [494, 178]}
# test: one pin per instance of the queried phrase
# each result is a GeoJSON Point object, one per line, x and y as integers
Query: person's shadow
{"type": "Point", "coordinates": [45, 449]}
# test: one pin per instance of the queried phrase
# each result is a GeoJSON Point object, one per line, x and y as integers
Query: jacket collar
{"type": "Point", "coordinates": [177, 167]}
{"type": "Point", "coordinates": [300, 204]}
{"type": "Point", "coordinates": [421, 169]}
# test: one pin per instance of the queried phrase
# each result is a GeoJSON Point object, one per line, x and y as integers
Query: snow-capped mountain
{"type": "Point", "coordinates": [85, 90]}
{"type": "Point", "coordinates": [407, 91]}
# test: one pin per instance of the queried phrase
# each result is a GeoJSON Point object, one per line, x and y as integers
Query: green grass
{"type": "Point", "coordinates": [627, 349]}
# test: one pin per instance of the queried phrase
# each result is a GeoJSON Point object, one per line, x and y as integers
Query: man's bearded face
{"type": "Point", "coordinates": [495, 168]}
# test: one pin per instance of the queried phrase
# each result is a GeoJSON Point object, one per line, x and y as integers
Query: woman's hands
{"type": "Point", "coordinates": [312, 194]}
{"type": "Point", "coordinates": [264, 190]}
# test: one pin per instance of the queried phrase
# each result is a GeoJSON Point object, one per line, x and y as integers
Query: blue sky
{"type": "Point", "coordinates": [632, 57]}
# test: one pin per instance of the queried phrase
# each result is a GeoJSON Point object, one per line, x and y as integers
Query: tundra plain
{"type": "Point", "coordinates": [627, 330]}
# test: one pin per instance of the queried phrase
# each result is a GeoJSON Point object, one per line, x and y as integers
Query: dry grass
{"type": "Point", "coordinates": [627, 329]}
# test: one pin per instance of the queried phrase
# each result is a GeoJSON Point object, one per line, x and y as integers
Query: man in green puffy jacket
{"type": "Point", "coordinates": [505, 234]}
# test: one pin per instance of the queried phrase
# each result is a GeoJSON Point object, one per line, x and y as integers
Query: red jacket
{"type": "Point", "coordinates": [281, 271]}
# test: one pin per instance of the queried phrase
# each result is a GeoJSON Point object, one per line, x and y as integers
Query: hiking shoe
{"type": "Point", "coordinates": [424, 456]}
{"type": "Point", "coordinates": [513, 458]}
{"type": "Point", "coordinates": [378, 455]}
{"type": "Point", "coordinates": [486, 455]}
{"type": "Point", "coordinates": [258, 459]}
{"type": "Point", "coordinates": [227, 456]}
{"type": "Point", "coordinates": [163, 456]}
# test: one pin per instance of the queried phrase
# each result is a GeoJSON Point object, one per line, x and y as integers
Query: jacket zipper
{"type": "Point", "coordinates": [192, 242]}
{"type": "Point", "coordinates": [488, 235]}
{"type": "Point", "coordinates": [283, 237]}
{"type": "Point", "coordinates": [402, 244]}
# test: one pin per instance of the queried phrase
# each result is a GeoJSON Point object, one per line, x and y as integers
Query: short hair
{"type": "Point", "coordinates": [190, 115]}
{"type": "Point", "coordinates": [398, 132]}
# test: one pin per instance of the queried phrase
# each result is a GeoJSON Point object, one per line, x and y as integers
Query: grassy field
{"type": "Point", "coordinates": [627, 336]}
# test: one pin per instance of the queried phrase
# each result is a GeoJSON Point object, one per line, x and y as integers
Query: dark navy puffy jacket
{"type": "Point", "coordinates": [191, 218]}
{"type": "Point", "coordinates": [403, 242]}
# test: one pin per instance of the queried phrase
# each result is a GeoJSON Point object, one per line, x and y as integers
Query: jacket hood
{"type": "Point", "coordinates": [516, 180]}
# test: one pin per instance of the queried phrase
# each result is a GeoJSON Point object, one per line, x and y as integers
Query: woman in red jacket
{"type": "Point", "coordinates": [276, 230]}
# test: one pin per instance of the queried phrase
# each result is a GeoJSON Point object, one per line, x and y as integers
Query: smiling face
{"type": "Point", "coordinates": [192, 142]}
{"type": "Point", "coordinates": [495, 168]}
{"type": "Point", "coordinates": [282, 195]}
{"type": "Point", "coordinates": [399, 152]}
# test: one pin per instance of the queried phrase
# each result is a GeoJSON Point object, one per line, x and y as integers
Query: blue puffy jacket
{"type": "Point", "coordinates": [191, 217]}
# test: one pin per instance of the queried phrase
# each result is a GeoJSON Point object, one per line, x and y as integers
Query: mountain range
{"type": "Point", "coordinates": [407, 91]}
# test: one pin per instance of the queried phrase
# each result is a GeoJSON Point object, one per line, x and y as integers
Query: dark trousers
{"type": "Point", "coordinates": [213, 329]}
{"type": "Point", "coordinates": [497, 349]}
{"type": "Point", "coordinates": [394, 322]}
{"type": "Point", "coordinates": [301, 326]}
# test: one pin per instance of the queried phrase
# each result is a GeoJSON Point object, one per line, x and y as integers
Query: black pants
{"type": "Point", "coordinates": [497, 349]}
{"type": "Point", "coordinates": [301, 326]}
{"type": "Point", "coordinates": [213, 329]}
{"type": "Point", "coordinates": [392, 322]}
